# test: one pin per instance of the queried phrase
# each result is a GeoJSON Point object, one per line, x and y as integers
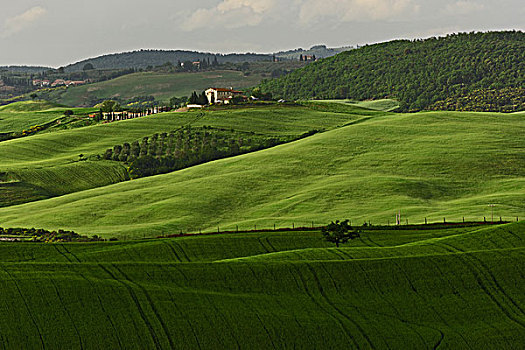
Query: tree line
{"type": "Point", "coordinates": [41, 235]}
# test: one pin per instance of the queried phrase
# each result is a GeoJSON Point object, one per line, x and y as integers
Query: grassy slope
{"type": "Point", "coordinates": [162, 86]}
{"type": "Point", "coordinates": [461, 288]}
{"type": "Point", "coordinates": [386, 105]}
{"type": "Point", "coordinates": [19, 116]}
{"type": "Point", "coordinates": [431, 165]}
{"type": "Point", "coordinates": [46, 165]}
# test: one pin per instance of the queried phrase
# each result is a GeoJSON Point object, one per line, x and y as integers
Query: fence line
{"type": "Point", "coordinates": [369, 225]}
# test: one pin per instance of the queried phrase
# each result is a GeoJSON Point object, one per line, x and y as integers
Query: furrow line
{"type": "Point", "coordinates": [307, 291]}
{"type": "Point", "coordinates": [137, 304]}
{"type": "Point", "coordinates": [479, 278]}
{"type": "Point", "coordinates": [67, 251]}
{"type": "Point", "coordinates": [173, 251]}
{"type": "Point", "coordinates": [152, 305]}
{"type": "Point", "coordinates": [67, 313]}
{"type": "Point", "coordinates": [26, 307]}
{"type": "Point", "coordinates": [337, 309]}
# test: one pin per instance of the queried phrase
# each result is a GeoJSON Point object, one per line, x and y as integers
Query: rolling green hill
{"type": "Point", "coordinates": [47, 164]}
{"type": "Point", "coordinates": [447, 288]}
{"type": "Point", "coordinates": [162, 86]}
{"type": "Point", "coordinates": [145, 58]}
{"type": "Point", "coordinates": [385, 105]}
{"type": "Point", "coordinates": [19, 116]}
{"type": "Point", "coordinates": [434, 165]}
{"type": "Point", "coordinates": [417, 73]}
{"type": "Point", "coordinates": [29, 106]}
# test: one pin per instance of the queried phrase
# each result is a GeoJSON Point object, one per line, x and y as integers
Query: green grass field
{"type": "Point", "coordinates": [162, 86]}
{"type": "Point", "coordinates": [386, 105]}
{"type": "Point", "coordinates": [435, 165]}
{"type": "Point", "coordinates": [397, 289]}
{"type": "Point", "coordinates": [47, 164]}
{"type": "Point", "coordinates": [460, 287]}
{"type": "Point", "coordinates": [20, 116]}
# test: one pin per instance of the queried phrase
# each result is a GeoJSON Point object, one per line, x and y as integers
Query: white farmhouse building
{"type": "Point", "coordinates": [219, 95]}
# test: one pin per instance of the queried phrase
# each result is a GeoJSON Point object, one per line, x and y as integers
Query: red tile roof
{"type": "Point", "coordinates": [226, 90]}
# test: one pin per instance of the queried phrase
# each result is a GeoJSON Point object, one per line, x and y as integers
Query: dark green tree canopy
{"type": "Point", "coordinates": [339, 232]}
{"type": "Point", "coordinates": [88, 66]}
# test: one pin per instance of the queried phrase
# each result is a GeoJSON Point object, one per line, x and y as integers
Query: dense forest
{"type": "Point", "coordinates": [418, 73]}
{"type": "Point", "coordinates": [485, 100]}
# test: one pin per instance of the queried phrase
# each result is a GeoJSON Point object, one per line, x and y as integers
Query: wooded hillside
{"type": "Point", "coordinates": [145, 58]}
{"type": "Point", "coordinates": [417, 73]}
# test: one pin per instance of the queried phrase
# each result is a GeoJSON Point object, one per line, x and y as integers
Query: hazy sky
{"type": "Point", "coordinates": [59, 32]}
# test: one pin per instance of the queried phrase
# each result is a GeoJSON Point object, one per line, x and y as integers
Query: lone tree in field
{"type": "Point", "coordinates": [339, 232]}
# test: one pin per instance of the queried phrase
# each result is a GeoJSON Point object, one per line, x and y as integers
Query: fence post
{"type": "Point", "coordinates": [274, 227]}
{"type": "Point", "coordinates": [407, 221]}
{"type": "Point", "coordinates": [500, 219]}
{"type": "Point", "coordinates": [255, 227]}
{"type": "Point", "coordinates": [463, 219]}
{"type": "Point", "coordinates": [484, 219]}
{"type": "Point", "coordinates": [218, 229]}
{"type": "Point", "coordinates": [444, 220]}
{"type": "Point", "coordinates": [293, 225]}
{"type": "Point", "coordinates": [425, 221]}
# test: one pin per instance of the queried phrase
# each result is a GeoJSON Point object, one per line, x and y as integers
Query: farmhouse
{"type": "Point", "coordinates": [220, 95]}
{"type": "Point", "coordinates": [58, 82]}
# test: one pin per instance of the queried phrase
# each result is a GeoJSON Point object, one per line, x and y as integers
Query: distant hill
{"type": "Point", "coordinates": [23, 69]}
{"type": "Point", "coordinates": [145, 58]}
{"type": "Point", "coordinates": [29, 106]}
{"type": "Point", "coordinates": [417, 73]}
{"type": "Point", "coordinates": [160, 86]}
{"type": "Point", "coordinates": [319, 51]}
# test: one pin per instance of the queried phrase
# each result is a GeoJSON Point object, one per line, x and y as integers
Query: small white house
{"type": "Point", "coordinates": [220, 95]}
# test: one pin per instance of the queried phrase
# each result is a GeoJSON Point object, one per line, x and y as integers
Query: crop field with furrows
{"type": "Point", "coordinates": [410, 289]}
{"type": "Point", "coordinates": [434, 165]}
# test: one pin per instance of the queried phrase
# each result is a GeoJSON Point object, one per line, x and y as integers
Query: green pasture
{"type": "Point", "coordinates": [162, 86]}
{"type": "Point", "coordinates": [436, 165]}
{"type": "Point", "coordinates": [386, 105]}
{"type": "Point", "coordinates": [47, 164]}
{"type": "Point", "coordinates": [20, 116]}
{"type": "Point", "coordinates": [391, 289]}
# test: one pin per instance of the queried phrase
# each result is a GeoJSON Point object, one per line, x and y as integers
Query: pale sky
{"type": "Point", "coordinates": [59, 32]}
